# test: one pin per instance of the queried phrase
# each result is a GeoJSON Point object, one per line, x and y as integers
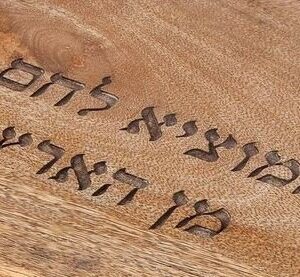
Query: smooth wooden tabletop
{"type": "Point", "coordinates": [150, 138]}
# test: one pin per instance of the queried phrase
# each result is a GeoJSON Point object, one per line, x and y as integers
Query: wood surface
{"type": "Point", "coordinates": [227, 64]}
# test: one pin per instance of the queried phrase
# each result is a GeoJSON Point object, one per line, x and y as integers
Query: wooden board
{"type": "Point", "coordinates": [172, 132]}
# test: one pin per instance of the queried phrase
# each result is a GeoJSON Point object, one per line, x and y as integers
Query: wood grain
{"type": "Point", "coordinates": [227, 64]}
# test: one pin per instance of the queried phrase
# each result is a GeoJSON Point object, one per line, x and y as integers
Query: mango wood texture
{"type": "Point", "coordinates": [228, 64]}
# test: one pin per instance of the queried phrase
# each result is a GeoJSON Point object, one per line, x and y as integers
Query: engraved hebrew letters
{"type": "Point", "coordinates": [20, 65]}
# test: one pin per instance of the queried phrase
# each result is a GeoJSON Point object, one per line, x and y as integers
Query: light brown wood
{"type": "Point", "coordinates": [228, 64]}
